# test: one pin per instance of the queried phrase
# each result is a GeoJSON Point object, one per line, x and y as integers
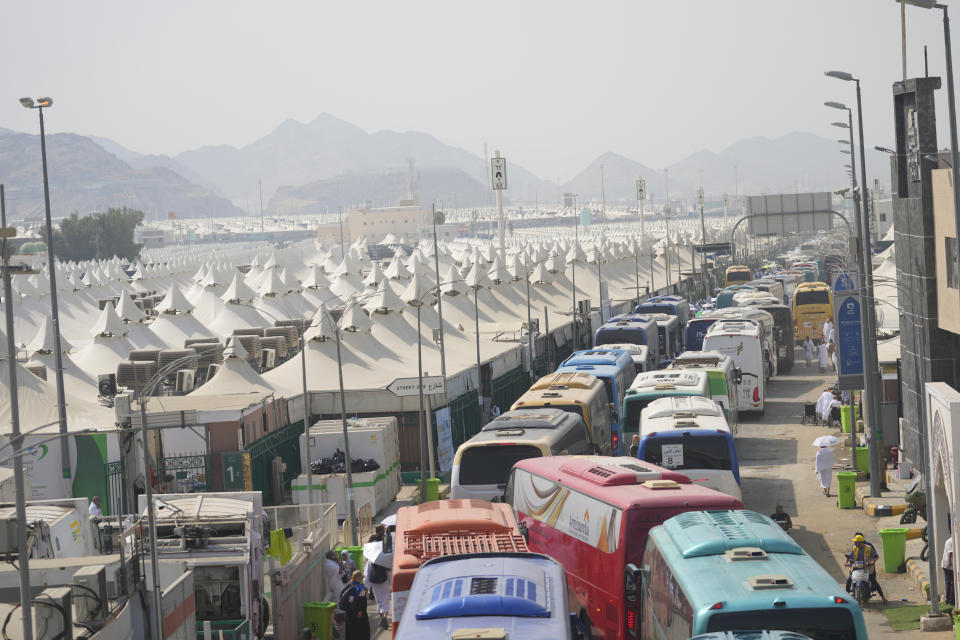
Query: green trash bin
{"type": "Point", "coordinates": [355, 552]}
{"type": "Point", "coordinates": [318, 617]}
{"type": "Point", "coordinates": [894, 542]}
{"type": "Point", "coordinates": [863, 459]}
{"type": "Point", "coordinates": [846, 489]}
{"type": "Point", "coordinates": [433, 489]}
{"type": "Point", "coordinates": [845, 418]}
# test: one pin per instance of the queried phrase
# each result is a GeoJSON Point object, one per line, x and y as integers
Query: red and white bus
{"type": "Point", "coordinates": [592, 514]}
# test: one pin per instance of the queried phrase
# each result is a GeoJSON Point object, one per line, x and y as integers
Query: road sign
{"type": "Point", "coordinates": [641, 189]}
{"type": "Point", "coordinates": [847, 332]}
{"type": "Point", "coordinates": [409, 386]}
{"type": "Point", "coordinates": [8, 232]}
{"type": "Point", "coordinates": [700, 196]}
{"type": "Point", "coordinates": [498, 173]}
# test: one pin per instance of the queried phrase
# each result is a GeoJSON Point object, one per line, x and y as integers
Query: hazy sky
{"type": "Point", "coordinates": [552, 84]}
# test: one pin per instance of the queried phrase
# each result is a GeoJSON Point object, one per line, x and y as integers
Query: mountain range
{"type": "Point", "coordinates": [325, 163]}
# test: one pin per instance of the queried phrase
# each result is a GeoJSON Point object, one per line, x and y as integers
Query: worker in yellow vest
{"type": "Point", "coordinates": [866, 553]}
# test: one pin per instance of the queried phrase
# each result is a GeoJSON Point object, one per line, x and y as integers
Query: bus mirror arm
{"type": "Point", "coordinates": [738, 376]}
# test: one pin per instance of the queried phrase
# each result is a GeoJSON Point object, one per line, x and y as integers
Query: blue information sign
{"type": "Point", "coordinates": [847, 332]}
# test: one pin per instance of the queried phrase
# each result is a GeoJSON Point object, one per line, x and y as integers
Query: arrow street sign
{"type": "Point", "coordinates": [498, 173]}
{"type": "Point", "coordinates": [409, 386]}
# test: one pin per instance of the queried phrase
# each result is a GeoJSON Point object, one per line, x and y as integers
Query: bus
{"type": "Point", "coordinates": [696, 329]}
{"type": "Point", "coordinates": [669, 336]}
{"type": "Point", "coordinates": [615, 369]}
{"type": "Point", "coordinates": [769, 285]}
{"type": "Point", "coordinates": [725, 297]}
{"type": "Point", "coordinates": [484, 594]}
{"type": "Point", "coordinates": [783, 335]}
{"type": "Point", "coordinates": [711, 571]}
{"type": "Point", "coordinates": [653, 385]}
{"type": "Point", "coordinates": [592, 515]}
{"type": "Point", "coordinates": [764, 322]}
{"type": "Point", "coordinates": [447, 527]}
{"type": "Point", "coordinates": [640, 354]}
{"type": "Point", "coordinates": [812, 307]}
{"type": "Point", "coordinates": [670, 305]}
{"type": "Point", "coordinates": [631, 328]}
{"type": "Point", "coordinates": [741, 341]}
{"type": "Point", "coordinates": [691, 435]}
{"type": "Point", "coordinates": [737, 274]}
{"type": "Point", "coordinates": [789, 282]}
{"type": "Point", "coordinates": [579, 393]}
{"type": "Point", "coordinates": [723, 376]}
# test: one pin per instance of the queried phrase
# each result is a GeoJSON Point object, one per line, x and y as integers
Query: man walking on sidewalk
{"type": "Point", "coordinates": [947, 565]}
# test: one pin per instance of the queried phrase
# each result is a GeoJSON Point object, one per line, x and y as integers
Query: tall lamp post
{"type": "Point", "coordinates": [16, 438]}
{"type": "Point", "coordinates": [40, 104]}
{"type": "Point", "coordinates": [871, 373]}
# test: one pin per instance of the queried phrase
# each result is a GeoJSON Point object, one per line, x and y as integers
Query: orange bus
{"type": "Point", "coordinates": [443, 528]}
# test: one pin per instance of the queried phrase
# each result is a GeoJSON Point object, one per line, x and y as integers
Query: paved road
{"type": "Point", "coordinates": [776, 463]}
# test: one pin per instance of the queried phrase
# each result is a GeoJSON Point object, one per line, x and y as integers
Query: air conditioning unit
{"type": "Point", "coordinates": [107, 385]}
{"type": "Point", "coordinates": [212, 370]}
{"type": "Point", "coordinates": [90, 601]}
{"type": "Point", "coordinates": [8, 537]}
{"type": "Point", "coordinates": [583, 307]}
{"type": "Point", "coordinates": [268, 357]}
{"type": "Point", "coordinates": [184, 381]}
{"type": "Point", "coordinates": [121, 404]}
{"type": "Point", "coordinates": [53, 622]}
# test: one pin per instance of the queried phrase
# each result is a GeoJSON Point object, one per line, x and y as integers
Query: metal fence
{"type": "Point", "coordinates": [116, 502]}
{"type": "Point", "coordinates": [283, 443]}
{"type": "Point", "coordinates": [184, 473]}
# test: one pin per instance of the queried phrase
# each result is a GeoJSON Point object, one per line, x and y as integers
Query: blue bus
{"type": "Point", "coordinates": [615, 369]}
{"type": "Point", "coordinates": [633, 329]}
{"type": "Point", "coordinates": [712, 571]}
{"type": "Point", "coordinates": [696, 329]}
{"type": "Point", "coordinates": [671, 305]}
{"type": "Point", "coordinates": [522, 594]}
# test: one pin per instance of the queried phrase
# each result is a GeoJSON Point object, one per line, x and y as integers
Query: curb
{"type": "Point", "coordinates": [874, 507]}
{"type": "Point", "coordinates": [917, 569]}
{"type": "Point", "coordinates": [914, 534]}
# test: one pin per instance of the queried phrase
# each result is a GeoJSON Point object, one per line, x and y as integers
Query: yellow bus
{"type": "Point", "coordinates": [737, 274]}
{"type": "Point", "coordinates": [579, 393]}
{"type": "Point", "coordinates": [812, 307]}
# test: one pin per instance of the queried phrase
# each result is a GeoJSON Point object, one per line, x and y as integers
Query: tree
{"type": "Point", "coordinates": [99, 235]}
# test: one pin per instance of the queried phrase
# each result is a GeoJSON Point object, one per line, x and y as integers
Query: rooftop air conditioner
{"type": "Point", "coordinates": [268, 358]}
{"type": "Point", "coordinates": [90, 600]}
{"type": "Point", "coordinates": [52, 622]}
{"type": "Point", "coordinates": [184, 381]}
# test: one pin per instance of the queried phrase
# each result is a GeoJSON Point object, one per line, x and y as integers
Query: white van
{"type": "Point", "coordinates": [639, 352]}
{"type": "Point", "coordinates": [690, 435]}
{"type": "Point", "coordinates": [482, 464]}
{"type": "Point", "coordinates": [764, 321]}
{"type": "Point", "coordinates": [741, 341]}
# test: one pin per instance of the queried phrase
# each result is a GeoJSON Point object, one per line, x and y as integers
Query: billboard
{"type": "Point", "coordinates": [783, 213]}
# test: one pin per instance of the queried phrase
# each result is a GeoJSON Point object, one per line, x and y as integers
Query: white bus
{"type": "Point", "coordinates": [741, 341]}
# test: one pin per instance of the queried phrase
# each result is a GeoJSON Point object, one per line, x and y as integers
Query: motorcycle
{"type": "Point", "coordinates": [916, 499]}
{"type": "Point", "coordinates": [860, 583]}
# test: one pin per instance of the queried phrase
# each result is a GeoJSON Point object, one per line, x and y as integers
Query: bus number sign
{"type": "Point", "coordinates": [672, 455]}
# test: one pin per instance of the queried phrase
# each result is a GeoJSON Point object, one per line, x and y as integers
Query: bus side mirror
{"type": "Point", "coordinates": [613, 413]}
{"type": "Point", "coordinates": [738, 376]}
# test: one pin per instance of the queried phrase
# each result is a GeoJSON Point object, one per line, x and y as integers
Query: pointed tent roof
{"type": "Point", "coordinates": [452, 283]}
{"type": "Point", "coordinates": [128, 310]}
{"type": "Point", "coordinates": [476, 277]}
{"type": "Point", "coordinates": [540, 275]}
{"type": "Point", "coordinates": [354, 319]}
{"type": "Point", "coordinates": [109, 323]}
{"type": "Point", "coordinates": [321, 327]}
{"type": "Point", "coordinates": [238, 291]}
{"type": "Point", "coordinates": [235, 349]}
{"type": "Point", "coordinates": [272, 285]}
{"type": "Point", "coordinates": [416, 293]}
{"type": "Point", "coordinates": [43, 342]}
{"type": "Point", "coordinates": [384, 301]}
{"type": "Point", "coordinates": [397, 270]}
{"type": "Point", "coordinates": [497, 273]}
{"type": "Point", "coordinates": [315, 278]}
{"type": "Point", "coordinates": [174, 302]}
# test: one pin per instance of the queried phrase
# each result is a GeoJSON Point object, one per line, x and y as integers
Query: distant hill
{"type": "Point", "coordinates": [86, 177]}
{"type": "Point", "coordinates": [451, 187]}
{"type": "Point", "coordinates": [620, 178]}
{"type": "Point", "coordinates": [297, 153]}
{"type": "Point", "coordinates": [796, 161]}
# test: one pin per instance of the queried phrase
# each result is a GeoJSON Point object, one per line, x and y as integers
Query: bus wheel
{"type": "Point", "coordinates": [586, 626]}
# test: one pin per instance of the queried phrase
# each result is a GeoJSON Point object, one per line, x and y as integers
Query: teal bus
{"type": "Point", "coordinates": [712, 571]}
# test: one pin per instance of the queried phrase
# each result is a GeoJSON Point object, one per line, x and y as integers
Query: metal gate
{"type": "Point", "coordinates": [185, 473]}
{"type": "Point", "coordinates": [117, 483]}
{"type": "Point", "coordinates": [283, 443]}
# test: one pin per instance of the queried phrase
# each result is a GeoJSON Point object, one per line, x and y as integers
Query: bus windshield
{"type": "Point", "coordinates": [819, 624]}
{"type": "Point", "coordinates": [668, 309]}
{"type": "Point", "coordinates": [621, 335]}
{"type": "Point", "coordinates": [698, 452]}
{"type": "Point", "coordinates": [812, 297]}
{"type": "Point", "coordinates": [492, 465]}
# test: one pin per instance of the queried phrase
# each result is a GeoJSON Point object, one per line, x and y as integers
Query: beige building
{"type": "Point", "coordinates": [332, 232]}
{"type": "Point", "coordinates": [374, 224]}
{"type": "Point", "coordinates": [948, 287]}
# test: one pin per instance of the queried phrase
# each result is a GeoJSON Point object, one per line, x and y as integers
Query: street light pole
{"type": "Point", "coordinates": [16, 438]}
{"type": "Point", "coordinates": [260, 192]}
{"type": "Point", "coordinates": [306, 415]}
{"type": "Point", "coordinates": [703, 241]}
{"type": "Point", "coordinates": [40, 105]}
{"type": "Point", "coordinates": [436, 270]}
{"type": "Point", "coordinates": [871, 372]}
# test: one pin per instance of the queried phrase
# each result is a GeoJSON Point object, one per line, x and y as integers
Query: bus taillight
{"type": "Point", "coordinates": [631, 621]}
{"type": "Point", "coordinates": [615, 441]}
{"type": "Point", "coordinates": [756, 394]}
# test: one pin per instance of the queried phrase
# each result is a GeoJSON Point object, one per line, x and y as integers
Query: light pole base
{"type": "Point", "coordinates": [940, 622]}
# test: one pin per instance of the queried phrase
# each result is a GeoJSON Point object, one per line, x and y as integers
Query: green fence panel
{"type": "Point", "coordinates": [285, 443]}
{"type": "Point", "coordinates": [510, 386]}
